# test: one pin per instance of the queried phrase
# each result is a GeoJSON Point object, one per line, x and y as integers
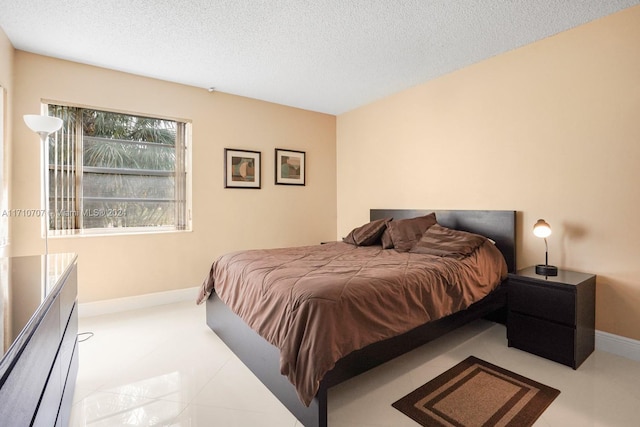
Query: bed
{"type": "Point", "coordinates": [266, 360]}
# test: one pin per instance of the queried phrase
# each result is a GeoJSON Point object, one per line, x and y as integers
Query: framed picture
{"type": "Point", "coordinates": [290, 167]}
{"type": "Point", "coordinates": [241, 168]}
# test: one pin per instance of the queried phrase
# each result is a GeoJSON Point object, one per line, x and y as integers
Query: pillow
{"type": "Point", "coordinates": [446, 242]}
{"type": "Point", "coordinates": [404, 233]}
{"type": "Point", "coordinates": [385, 239]}
{"type": "Point", "coordinates": [368, 234]}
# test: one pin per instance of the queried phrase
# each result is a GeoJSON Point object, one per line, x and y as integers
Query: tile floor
{"type": "Point", "coordinates": [163, 366]}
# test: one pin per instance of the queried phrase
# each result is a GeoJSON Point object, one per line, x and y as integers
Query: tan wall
{"type": "Point", "coordinates": [223, 219]}
{"type": "Point", "coordinates": [550, 130]}
{"type": "Point", "coordinates": [6, 83]}
{"type": "Point", "coordinates": [6, 60]}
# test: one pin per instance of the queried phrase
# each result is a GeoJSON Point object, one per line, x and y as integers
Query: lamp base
{"type": "Point", "coordinates": [546, 270]}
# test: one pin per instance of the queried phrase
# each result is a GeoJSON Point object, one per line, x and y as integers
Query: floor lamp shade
{"type": "Point", "coordinates": [42, 124]}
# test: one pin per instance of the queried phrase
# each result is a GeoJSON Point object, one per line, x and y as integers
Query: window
{"type": "Point", "coordinates": [116, 171]}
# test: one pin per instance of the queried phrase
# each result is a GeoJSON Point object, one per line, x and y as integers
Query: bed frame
{"type": "Point", "coordinates": [264, 359]}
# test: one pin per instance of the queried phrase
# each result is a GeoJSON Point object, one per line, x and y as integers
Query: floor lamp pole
{"type": "Point", "coordinates": [45, 190]}
{"type": "Point", "coordinates": [44, 125]}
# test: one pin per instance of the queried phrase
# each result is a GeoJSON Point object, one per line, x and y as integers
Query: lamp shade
{"type": "Point", "coordinates": [542, 229]}
{"type": "Point", "coordinates": [42, 124]}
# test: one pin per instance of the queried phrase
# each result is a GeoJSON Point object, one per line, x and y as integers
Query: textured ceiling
{"type": "Point", "coordinates": [329, 56]}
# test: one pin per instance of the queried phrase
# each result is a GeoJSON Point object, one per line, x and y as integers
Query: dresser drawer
{"type": "Point", "coordinates": [550, 340]}
{"type": "Point", "coordinates": [68, 343]}
{"type": "Point", "coordinates": [69, 387]}
{"type": "Point", "coordinates": [50, 400]}
{"type": "Point", "coordinates": [68, 296]}
{"type": "Point", "coordinates": [542, 301]}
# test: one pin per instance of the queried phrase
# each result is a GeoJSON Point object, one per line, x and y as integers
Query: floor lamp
{"type": "Point", "coordinates": [44, 126]}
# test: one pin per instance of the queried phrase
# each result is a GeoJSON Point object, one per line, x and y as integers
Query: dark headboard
{"type": "Point", "coordinates": [499, 226]}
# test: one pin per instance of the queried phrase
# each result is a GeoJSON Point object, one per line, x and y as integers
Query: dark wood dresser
{"type": "Point", "coordinates": [552, 316]}
{"type": "Point", "coordinates": [39, 318]}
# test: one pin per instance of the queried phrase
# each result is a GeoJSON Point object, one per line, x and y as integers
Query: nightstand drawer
{"type": "Point", "coordinates": [542, 301]}
{"type": "Point", "coordinates": [550, 340]}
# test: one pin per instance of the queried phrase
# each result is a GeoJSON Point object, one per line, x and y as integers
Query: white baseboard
{"type": "Point", "coordinates": [622, 346]}
{"type": "Point", "coordinates": [116, 305]}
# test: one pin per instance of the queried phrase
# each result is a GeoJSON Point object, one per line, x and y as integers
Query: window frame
{"type": "Point", "coordinates": [182, 180]}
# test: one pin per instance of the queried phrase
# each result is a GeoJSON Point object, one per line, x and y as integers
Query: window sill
{"type": "Point", "coordinates": [119, 231]}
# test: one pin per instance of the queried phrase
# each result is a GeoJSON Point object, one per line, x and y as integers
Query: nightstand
{"type": "Point", "coordinates": [552, 316]}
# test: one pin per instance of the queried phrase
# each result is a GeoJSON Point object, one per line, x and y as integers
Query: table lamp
{"type": "Point", "coordinates": [543, 230]}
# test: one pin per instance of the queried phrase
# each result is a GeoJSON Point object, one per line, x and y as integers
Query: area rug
{"type": "Point", "coordinates": [477, 393]}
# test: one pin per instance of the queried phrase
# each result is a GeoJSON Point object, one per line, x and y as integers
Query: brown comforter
{"type": "Point", "coordinates": [319, 303]}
